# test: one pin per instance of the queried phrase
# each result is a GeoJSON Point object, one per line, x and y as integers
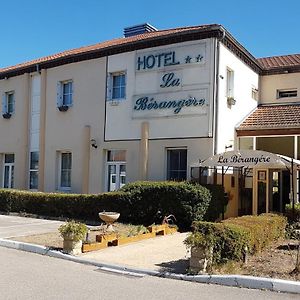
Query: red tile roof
{"type": "Point", "coordinates": [112, 43]}
{"type": "Point", "coordinates": [279, 61]}
{"type": "Point", "coordinates": [272, 117]}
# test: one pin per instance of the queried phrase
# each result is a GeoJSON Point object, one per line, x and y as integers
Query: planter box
{"type": "Point", "coordinates": [162, 229]}
{"type": "Point", "coordinates": [171, 230]}
{"type": "Point", "coordinates": [93, 247]}
{"type": "Point", "coordinates": [106, 238]}
{"type": "Point", "coordinates": [131, 239]}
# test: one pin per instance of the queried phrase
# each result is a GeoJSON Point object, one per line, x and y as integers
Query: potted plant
{"type": "Point", "coordinates": [63, 108]}
{"type": "Point", "coordinates": [6, 115]}
{"type": "Point", "coordinates": [73, 233]}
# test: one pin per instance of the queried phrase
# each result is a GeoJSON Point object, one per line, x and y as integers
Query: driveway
{"type": "Point", "coordinates": [12, 226]}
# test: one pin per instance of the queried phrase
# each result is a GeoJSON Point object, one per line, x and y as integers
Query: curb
{"type": "Point", "coordinates": [277, 285]}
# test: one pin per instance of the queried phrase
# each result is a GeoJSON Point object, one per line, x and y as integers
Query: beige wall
{"type": "Point", "coordinates": [66, 130]}
{"type": "Point", "coordinates": [14, 131]}
{"type": "Point", "coordinates": [271, 83]}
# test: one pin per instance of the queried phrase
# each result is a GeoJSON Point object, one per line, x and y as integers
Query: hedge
{"type": "Point", "coordinates": [151, 201]}
{"type": "Point", "coordinates": [138, 203]}
{"type": "Point", "coordinates": [232, 237]}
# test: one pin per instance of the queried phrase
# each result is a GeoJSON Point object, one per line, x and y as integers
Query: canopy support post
{"type": "Point", "coordinates": [223, 209]}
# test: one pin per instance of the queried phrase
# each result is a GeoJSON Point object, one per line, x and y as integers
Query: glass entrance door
{"type": "Point", "coordinates": [116, 176]}
{"type": "Point", "coordinates": [261, 192]}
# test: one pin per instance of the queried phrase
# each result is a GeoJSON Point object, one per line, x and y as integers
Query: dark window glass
{"type": "Point", "coordinates": [176, 164]}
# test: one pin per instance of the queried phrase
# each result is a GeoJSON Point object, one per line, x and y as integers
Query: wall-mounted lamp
{"type": "Point", "coordinates": [228, 147]}
{"type": "Point", "coordinates": [94, 143]}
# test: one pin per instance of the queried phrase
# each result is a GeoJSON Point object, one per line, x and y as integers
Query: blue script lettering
{"type": "Point", "coordinates": [147, 103]}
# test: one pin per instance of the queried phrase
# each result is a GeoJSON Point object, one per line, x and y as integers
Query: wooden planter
{"type": "Point", "coordinates": [131, 239]}
{"type": "Point", "coordinates": [106, 238]}
{"type": "Point", "coordinates": [162, 229]}
{"type": "Point", "coordinates": [93, 247]}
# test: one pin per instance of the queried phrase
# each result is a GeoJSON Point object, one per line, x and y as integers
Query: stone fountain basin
{"type": "Point", "coordinates": [109, 217]}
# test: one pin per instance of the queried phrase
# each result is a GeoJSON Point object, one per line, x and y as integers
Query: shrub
{"type": "Point", "coordinates": [151, 201]}
{"type": "Point", "coordinates": [231, 237]}
{"type": "Point", "coordinates": [137, 203]}
{"type": "Point", "coordinates": [218, 203]}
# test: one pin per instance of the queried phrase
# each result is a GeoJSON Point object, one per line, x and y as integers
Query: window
{"type": "Point", "coordinates": [65, 170]}
{"type": "Point", "coordinates": [254, 93]}
{"type": "Point", "coordinates": [116, 169]}
{"type": "Point", "coordinates": [33, 170]}
{"type": "Point", "coordinates": [176, 164]}
{"type": "Point", "coordinates": [117, 83]}
{"type": "Point", "coordinates": [230, 84]}
{"type": "Point", "coordinates": [8, 103]}
{"type": "Point", "coordinates": [8, 171]}
{"type": "Point", "coordinates": [65, 93]}
{"type": "Point", "coordinates": [286, 93]}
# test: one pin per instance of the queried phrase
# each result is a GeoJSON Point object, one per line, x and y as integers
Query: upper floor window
{"type": "Point", "coordinates": [229, 83]}
{"type": "Point", "coordinates": [286, 93]}
{"type": "Point", "coordinates": [117, 86]}
{"type": "Point", "coordinates": [254, 93]}
{"type": "Point", "coordinates": [64, 94]}
{"type": "Point", "coordinates": [8, 104]}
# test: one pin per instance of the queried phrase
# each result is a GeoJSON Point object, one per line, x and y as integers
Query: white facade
{"type": "Point", "coordinates": [175, 98]}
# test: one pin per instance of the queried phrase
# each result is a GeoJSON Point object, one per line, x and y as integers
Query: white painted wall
{"type": "Point", "coordinates": [244, 80]}
{"type": "Point", "coordinates": [124, 123]}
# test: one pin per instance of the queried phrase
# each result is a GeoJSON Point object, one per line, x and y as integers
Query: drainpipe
{"type": "Point", "coordinates": [216, 90]}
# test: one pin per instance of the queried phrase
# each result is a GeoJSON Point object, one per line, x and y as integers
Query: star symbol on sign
{"type": "Point", "coordinates": [199, 57]}
{"type": "Point", "coordinates": [188, 59]}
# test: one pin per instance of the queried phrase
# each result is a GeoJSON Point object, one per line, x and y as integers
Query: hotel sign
{"type": "Point", "coordinates": [170, 104]}
{"type": "Point", "coordinates": [176, 57]}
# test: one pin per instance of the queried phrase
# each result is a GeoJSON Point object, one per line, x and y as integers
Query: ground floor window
{"type": "Point", "coordinates": [65, 170]}
{"type": "Point", "coordinates": [116, 169]}
{"type": "Point", "coordinates": [34, 170]}
{"type": "Point", "coordinates": [176, 164]}
{"type": "Point", "coordinates": [8, 171]}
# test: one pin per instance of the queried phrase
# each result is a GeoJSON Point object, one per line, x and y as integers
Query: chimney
{"type": "Point", "coordinates": [138, 29]}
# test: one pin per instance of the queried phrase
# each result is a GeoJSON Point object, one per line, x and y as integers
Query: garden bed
{"type": "Point", "coordinates": [98, 239]}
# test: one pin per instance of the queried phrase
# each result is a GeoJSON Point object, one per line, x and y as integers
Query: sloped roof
{"type": "Point", "coordinates": [280, 61]}
{"type": "Point", "coordinates": [111, 44]}
{"type": "Point", "coordinates": [272, 117]}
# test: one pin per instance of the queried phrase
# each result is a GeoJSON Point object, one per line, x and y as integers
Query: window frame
{"type": "Point", "coordinates": [60, 169]}
{"type": "Point", "coordinates": [229, 83]}
{"type": "Point", "coordinates": [5, 102]}
{"type": "Point", "coordinates": [167, 163]}
{"type": "Point", "coordinates": [293, 90]}
{"type": "Point", "coordinates": [117, 164]}
{"type": "Point", "coordinates": [33, 170]}
{"type": "Point", "coordinates": [111, 86]}
{"type": "Point", "coordinates": [11, 171]}
{"type": "Point", "coordinates": [60, 101]}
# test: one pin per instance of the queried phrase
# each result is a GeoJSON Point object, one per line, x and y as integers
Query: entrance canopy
{"type": "Point", "coordinates": [250, 159]}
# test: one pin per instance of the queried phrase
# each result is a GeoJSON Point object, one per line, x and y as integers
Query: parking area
{"type": "Point", "coordinates": [13, 226]}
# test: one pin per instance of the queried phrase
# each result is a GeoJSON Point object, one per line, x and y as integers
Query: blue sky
{"type": "Point", "coordinates": [36, 28]}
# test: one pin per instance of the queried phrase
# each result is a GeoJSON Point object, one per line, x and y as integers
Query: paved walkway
{"type": "Point", "coordinates": [13, 226]}
{"type": "Point", "coordinates": [164, 253]}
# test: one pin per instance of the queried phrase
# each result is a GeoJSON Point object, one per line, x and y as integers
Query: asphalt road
{"type": "Point", "coordinates": [26, 275]}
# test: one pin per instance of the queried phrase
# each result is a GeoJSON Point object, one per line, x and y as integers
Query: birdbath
{"type": "Point", "coordinates": [109, 218]}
